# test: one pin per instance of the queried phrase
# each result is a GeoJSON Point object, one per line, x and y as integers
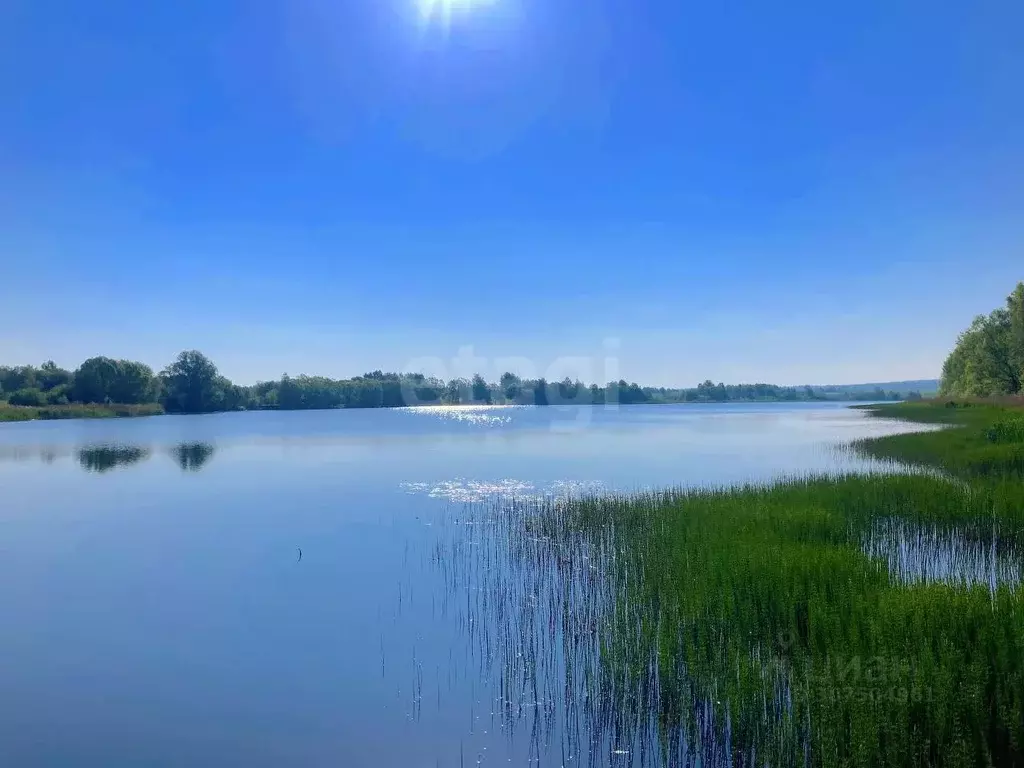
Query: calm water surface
{"type": "Point", "coordinates": [156, 610]}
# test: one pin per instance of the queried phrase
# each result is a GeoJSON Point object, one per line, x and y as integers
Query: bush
{"type": "Point", "coordinates": [58, 395]}
{"type": "Point", "coordinates": [30, 397]}
{"type": "Point", "coordinates": [1006, 431]}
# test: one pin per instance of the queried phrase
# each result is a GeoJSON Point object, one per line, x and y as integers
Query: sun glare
{"type": "Point", "coordinates": [445, 8]}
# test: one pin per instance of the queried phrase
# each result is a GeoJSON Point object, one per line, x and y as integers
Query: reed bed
{"type": "Point", "coordinates": [851, 620]}
{"type": "Point", "coordinates": [77, 411]}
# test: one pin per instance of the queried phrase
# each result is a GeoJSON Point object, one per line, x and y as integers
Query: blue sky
{"type": "Point", "coordinates": [787, 192]}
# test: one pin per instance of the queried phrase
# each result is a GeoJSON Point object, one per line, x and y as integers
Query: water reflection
{"type": "Point", "coordinates": [99, 458]}
{"type": "Point", "coordinates": [922, 554]}
{"type": "Point", "coordinates": [103, 458]}
{"type": "Point", "coordinates": [192, 457]}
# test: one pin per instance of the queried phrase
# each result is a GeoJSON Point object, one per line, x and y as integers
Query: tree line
{"type": "Point", "coordinates": [988, 358]}
{"type": "Point", "coordinates": [193, 384]}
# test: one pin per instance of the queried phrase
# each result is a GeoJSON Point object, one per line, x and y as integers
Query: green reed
{"type": "Point", "coordinates": [77, 411]}
{"type": "Point", "coordinates": [752, 616]}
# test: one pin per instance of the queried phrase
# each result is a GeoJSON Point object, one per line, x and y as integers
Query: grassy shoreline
{"type": "Point", "coordinates": [770, 608]}
{"type": "Point", "coordinates": [10, 413]}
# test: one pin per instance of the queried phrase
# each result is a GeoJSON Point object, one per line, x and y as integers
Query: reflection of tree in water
{"type": "Point", "coordinates": [103, 458]}
{"type": "Point", "coordinates": [191, 457]}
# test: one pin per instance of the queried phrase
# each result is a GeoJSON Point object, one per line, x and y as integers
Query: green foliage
{"type": "Point", "coordinates": [511, 386]}
{"type": "Point", "coordinates": [94, 380]}
{"type": "Point", "coordinates": [481, 392]}
{"type": "Point", "coordinates": [988, 358]}
{"type": "Point", "coordinates": [18, 377]}
{"type": "Point", "coordinates": [453, 392]}
{"type": "Point", "coordinates": [59, 395]}
{"type": "Point", "coordinates": [1006, 431]}
{"type": "Point", "coordinates": [192, 384]}
{"type": "Point", "coordinates": [27, 397]}
{"type": "Point", "coordinates": [105, 380]}
{"type": "Point", "coordinates": [761, 604]}
{"type": "Point", "coordinates": [51, 377]}
{"type": "Point", "coordinates": [982, 447]}
{"type": "Point", "coordinates": [133, 384]}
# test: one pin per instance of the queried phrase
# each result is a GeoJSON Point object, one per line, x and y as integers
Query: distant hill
{"type": "Point", "coordinates": [924, 386]}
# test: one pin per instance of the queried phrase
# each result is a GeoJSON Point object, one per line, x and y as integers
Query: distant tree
{"type": "Point", "coordinates": [50, 375]}
{"type": "Point", "coordinates": [568, 390]}
{"type": "Point", "coordinates": [228, 396]}
{"type": "Point", "coordinates": [480, 391]}
{"type": "Point", "coordinates": [19, 377]}
{"type": "Point", "coordinates": [364, 393]}
{"type": "Point", "coordinates": [540, 392]}
{"type": "Point", "coordinates": [631, 394]}
{"type": "Point", "coordinates": [1015, 309]}
{"type": "Point", "coordinates": [391, 392]}
{"type": "Point", "coordinates": [983, 362]}
{"type": "Point", "coordinates": [192, 384]}
{"type": "Point", "coordinates": [289, 396]}
{"type": "Point", "coordinates": [29, 396]}
{"type": "Point", "coordinates": [426, 390]}
{"type": "Point", "coordinates": [133, 383]}
{"type": "Point", "coordinates": [60, 395]}
{"type": "Point", "coordinates": [453, 392]}
{"type": "Point", "coordinates": [95, 380]}
{"type": "Point", "coordinates": [511, 386]}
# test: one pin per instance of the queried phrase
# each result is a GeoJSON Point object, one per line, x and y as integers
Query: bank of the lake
{"type": "Point", "coordinates": [857, 620]}
{"type": "Point", "coordinates": [77, 411]}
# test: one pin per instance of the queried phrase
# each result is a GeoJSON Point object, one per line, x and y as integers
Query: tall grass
{"type": "Point", "coordinates": [761, 601]}
{"type": "Point", "coordinates": [762, 625]}
{"type": "Point", "coordinates": [77, 411]}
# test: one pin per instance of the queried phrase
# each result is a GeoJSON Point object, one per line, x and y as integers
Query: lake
{"type": "Point", "coordinates": [282, 588]}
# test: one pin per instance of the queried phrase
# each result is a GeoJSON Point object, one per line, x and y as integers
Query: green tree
{"type": "Point", "coordinates": [94, 380]}
{"type": "Point", "coordinates": [511, 386]}
{"type": "Point", "coordinates": [1015, 308]}
{"type": "Point", "coordinates": [364, 393]}
{"type": "Point", "coordinates": [540, 392]}
{"type": "Point", "coordinates": [192, 384]}
{"type": "Point", "coordinates": [18, 377]}
{"type": "Point", "coordinates": [987, 358]}
{"type": "Point", "coordinates": [29, 396]}
{"type": "Point", "coordinates": [452, 394]}
{"type": "Point", "coordinates": [134, 383]}
{"type": "Point", "coordinates": [481, 392]}
{"type": "Point", "coordinates": [50, 376]}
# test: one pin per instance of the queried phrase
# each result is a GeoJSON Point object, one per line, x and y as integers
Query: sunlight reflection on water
{"type": "Point", "coordinates": [483, 415]}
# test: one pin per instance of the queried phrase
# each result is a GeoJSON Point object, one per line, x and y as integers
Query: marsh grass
{"type": "Point", "coordinates": [772, 624]}
{"type": "Point", "coordinates": [77, 411]}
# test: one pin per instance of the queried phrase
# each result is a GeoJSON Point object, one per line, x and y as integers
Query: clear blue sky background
{"type": "Point", "coordinates": [792, 192]}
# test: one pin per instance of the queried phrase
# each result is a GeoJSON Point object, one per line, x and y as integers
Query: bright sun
{"type": "Point", "coordinates": [445, 8]}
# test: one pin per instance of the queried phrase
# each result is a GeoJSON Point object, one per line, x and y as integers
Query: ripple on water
{"type": "Point", "coordinates": [464, 490]}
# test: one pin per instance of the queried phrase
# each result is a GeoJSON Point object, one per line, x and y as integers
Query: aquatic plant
{"type": "Point", "coordinates": [847, 620]}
